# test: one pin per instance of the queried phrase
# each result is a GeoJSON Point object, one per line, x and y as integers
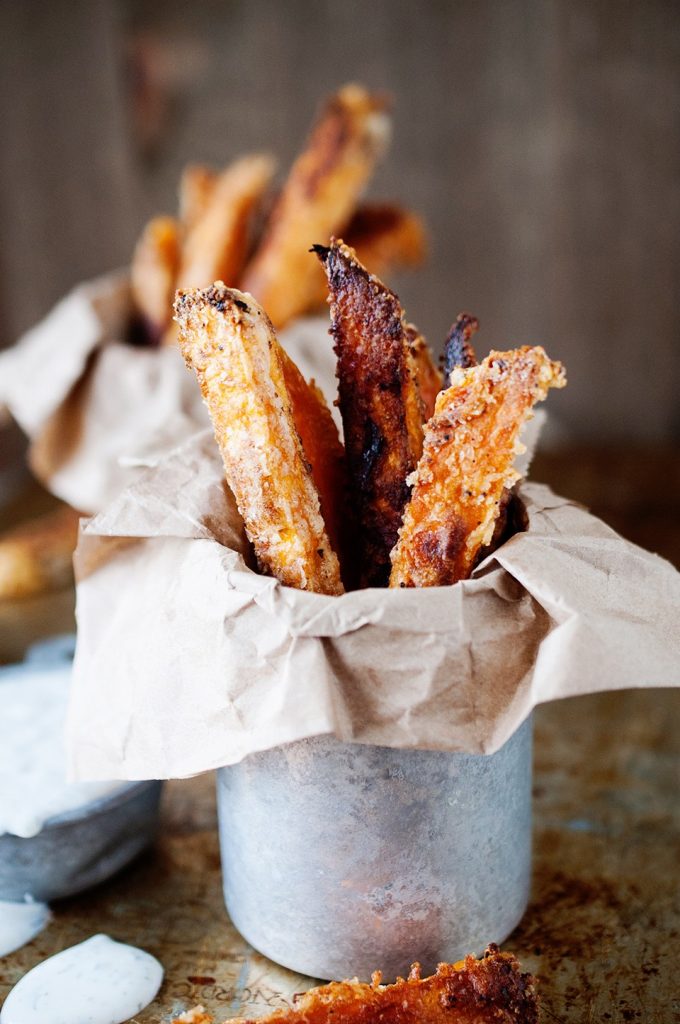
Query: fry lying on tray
{"type": "Point", "coordinates": [492, 990]}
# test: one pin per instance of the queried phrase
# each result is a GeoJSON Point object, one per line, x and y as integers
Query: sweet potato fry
{"type": "Point", "coordinates": [379, 403]}
{"type": "Point", "coordinates": [428, 376]}
{"type": "Point", "coordinates": [492, 990]}
{"type": "Point", "coordinates": [196, 188]}
{"type": "Point", "coordinates": [325, 453]}
{"type": "Point", "coordinates": [230, 343]}
{"type": "Point", "coordinates": [458, 350]}
{"type": "Point", "coordinates": [317, 200]}
{"type": "Point", "coordinates": [217, 245]}
{"type": "Point", "coordinates": [37, 556]}
{"type": "Point", "coordinates": [385, 237]}
{"type": "Point", "coordinates": [467, 464]}
{"type": "Point", "coordinates": [152, 275]}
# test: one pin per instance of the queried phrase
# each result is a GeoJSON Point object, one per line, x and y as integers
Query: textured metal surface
{"type": "Point", "coordinates": [420, 854]}
{"type": "Point", "coordinates": [601, 930]}
{"type": "Point", "coordinates": [81, 848]}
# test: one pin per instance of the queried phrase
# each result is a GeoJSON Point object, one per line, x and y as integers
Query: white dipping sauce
{"type": "Point", "coordinates": [33, 786]}
{"type": "Point", "coordinates": [96, 982]}
{"type": "Point", "coordinates": [19, 923]}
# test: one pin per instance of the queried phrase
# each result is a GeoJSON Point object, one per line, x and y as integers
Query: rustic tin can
{"type": "Point", "coordinates": [80, 848]}
{"type": "Point", "coordinates": [341, 858]}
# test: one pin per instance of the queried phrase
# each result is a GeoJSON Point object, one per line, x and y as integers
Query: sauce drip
{"type": "Point", "coordinates": [19, 923]}
{"type": "Point", "coordinates": [98, 981]}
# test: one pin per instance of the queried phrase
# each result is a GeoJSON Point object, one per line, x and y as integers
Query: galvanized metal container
{"type": "Point", "coordinates": [82, 847]}
{"type": "Point", "coordinates": [342, 858]}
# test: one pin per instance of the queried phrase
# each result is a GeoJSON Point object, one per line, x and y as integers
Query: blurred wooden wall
{"type": "Point", "coordinates": [540, 139]}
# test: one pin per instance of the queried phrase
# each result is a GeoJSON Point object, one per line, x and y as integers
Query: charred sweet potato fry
{"type": "Point", "coordinates": [152, 275]}
{"type": "Point", "coordinates": [216, 246]}
{"type": "Point", "coordinates": [492, 990]}
{"type": "Point", "coordinates": [317, 200]}
{"type": "Point", "coordinates": [196, 188]}
{"type": "Point", "coordinates": [458, 350]}
{"type": "Point", "coordinates": [378, 400]}
{"type": "Point", "coordinates": [324, 452]}
{"type": "Point", "coordinates": [230, 343]}
{"type": "Point", "coordinates": [467, 464]}
{"type": "Point", "coordinates": [428, 376]}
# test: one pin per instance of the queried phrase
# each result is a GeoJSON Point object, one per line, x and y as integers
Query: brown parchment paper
{"type": "Point", "coordinates": [187, 659]}
{"type": "Point", "coordinates": [95, 408]}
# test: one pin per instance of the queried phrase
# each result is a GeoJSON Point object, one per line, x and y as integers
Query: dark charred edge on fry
{"type": "Point", "coordinates": [458, 350]}
{"type": "Point", "coordinates": [217, 295]}
{"type": "Point", "coordinates": [380, 500]}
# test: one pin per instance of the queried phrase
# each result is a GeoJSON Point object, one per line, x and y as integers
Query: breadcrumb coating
{"type": "Point", "coordinates": [467, 464]}
{"type": "Point", "coordinates": [492, 990]}
{"type": "Point", "coordinates": [227, 338]}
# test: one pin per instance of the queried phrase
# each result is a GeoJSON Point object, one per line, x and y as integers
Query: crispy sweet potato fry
{"type": "Point", "coordinates": [385, 237]}
{"type": "Point", "coordinates": [196, 188]}
{"type": "Point", "coordinates": [318, 198]}
{"type": "Point", "coordinates": [379, 403]}
{"type": "Point", "coordinates": [216, 247]}
{"type": "Point", "coordinates": [152, 274]}
{"type": "Point", "coordinates": [230, 343]}
{"type": "Point", "coordinates": [467, 464]}
{"type": "Point", "coordinates": [428, 376]}
{"type": "Point", "coordinates": [37, 556]}
{"type": "Point", "coordinates": [458, 350]}
{"type": "Point", "coordinates": [324, 451]}
{"type": "Point", "coordinates": [492, 990]}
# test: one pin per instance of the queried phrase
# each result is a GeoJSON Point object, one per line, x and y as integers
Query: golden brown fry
{"type": "Point", "coordinates": [428, 375]}
{"type": "Point", "coordinates": [196, 188]}
{"type": "Point", "coordinates": [317, 200]}
{"type": "Point", "coordinates": [467, 464]}
{"type": "Point", "coordinates": [37, 556]}
{"type": "Point", "coordinates": [324, 451]}
{"type": "Point", "coordinates": [472, 991]}
{"type": "Point", "coordinates": [230, 343]}
{"type": "Point", "coordinates": [217, 245]}
{"type": "Point", "coordinates": [379, 403]}
{"type": "Point", "coordinates": [152, 274]}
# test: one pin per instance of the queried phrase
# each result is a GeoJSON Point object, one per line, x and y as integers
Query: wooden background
{"type": "Point", "coordinates": [538, 138]}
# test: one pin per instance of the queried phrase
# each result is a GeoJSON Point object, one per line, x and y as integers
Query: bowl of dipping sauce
{"type": "Point", "coordinates": [58, 837]}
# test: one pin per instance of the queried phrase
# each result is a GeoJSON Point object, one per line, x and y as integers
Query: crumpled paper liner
{"type": "Point", "coordinates": [187, 659]}
{"type": "Point", "coordinates": [96, 407]}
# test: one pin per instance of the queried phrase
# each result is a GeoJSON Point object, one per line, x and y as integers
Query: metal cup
{"type": "Point", "coordinates": [340, 858]}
